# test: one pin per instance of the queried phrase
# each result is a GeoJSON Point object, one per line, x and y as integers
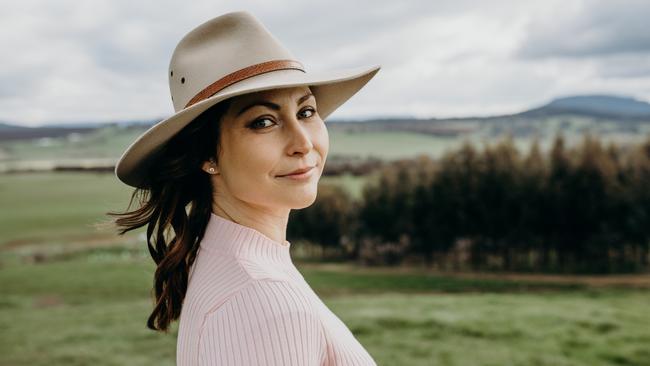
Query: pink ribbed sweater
{"type": "Point", "coordinates": [247, 304]}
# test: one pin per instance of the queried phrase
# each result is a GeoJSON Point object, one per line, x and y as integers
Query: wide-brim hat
{"type": "Point", "coordinates": [231, 55]}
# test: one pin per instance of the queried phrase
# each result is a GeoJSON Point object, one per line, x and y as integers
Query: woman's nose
{"type": "Point", "coordinates": [299, 135]}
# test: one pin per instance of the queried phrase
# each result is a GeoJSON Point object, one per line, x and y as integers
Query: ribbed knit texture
{"type": "Point", "coordinates": [247, 304]}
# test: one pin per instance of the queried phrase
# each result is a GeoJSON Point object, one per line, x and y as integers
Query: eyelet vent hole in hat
{"type": "Point", "coordinates": [171, 73]}
{"type": "Point", "coordinates": [183, 80]}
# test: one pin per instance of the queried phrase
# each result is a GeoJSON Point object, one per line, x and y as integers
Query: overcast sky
{"type": "Point", "coordinates": [92, 60]}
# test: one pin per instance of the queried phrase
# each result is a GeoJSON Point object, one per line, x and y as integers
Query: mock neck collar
{"type": "Point", "coordinates": [243, 241]}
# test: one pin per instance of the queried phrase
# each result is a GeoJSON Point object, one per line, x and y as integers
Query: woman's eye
{"type": "Point", "coordinates": [255, 123]}
{"type": "Point", "coordinates": [310, 111]}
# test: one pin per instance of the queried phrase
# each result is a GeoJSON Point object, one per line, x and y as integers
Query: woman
{"type": "Point", "coordinates": [217, 181]}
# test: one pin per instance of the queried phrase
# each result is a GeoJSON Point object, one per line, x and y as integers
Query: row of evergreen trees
{"type": "Point", "coordinates": [583, 209]}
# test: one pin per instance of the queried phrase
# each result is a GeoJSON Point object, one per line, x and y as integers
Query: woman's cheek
{"type": "Point", "coordinates": [322, 142]}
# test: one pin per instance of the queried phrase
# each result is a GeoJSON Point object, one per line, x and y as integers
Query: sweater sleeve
{"type": "Point", "coordinates": [267, 322]}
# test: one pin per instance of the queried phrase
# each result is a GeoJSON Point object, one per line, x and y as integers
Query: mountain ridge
{"type": "Point", "coordinates": [598, 106]}
{"type": "Point", "coordinates": [594, 105]}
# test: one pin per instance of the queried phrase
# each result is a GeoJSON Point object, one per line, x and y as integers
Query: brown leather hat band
{"type": "Point", "coordinates": [242, 74]}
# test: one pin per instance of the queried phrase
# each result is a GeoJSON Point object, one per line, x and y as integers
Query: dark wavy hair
{"type": "Point", "coordinates": [178, 196]}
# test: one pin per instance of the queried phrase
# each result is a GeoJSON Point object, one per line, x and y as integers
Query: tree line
{"type": "Point", "coordinates": [582, 209]}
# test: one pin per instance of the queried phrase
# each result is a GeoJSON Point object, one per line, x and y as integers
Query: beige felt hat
{"type": "Point", "coordinates": [230, 55]}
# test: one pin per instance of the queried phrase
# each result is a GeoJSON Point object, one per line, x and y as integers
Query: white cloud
{"type": "Point", "coordinates": [105, 60]}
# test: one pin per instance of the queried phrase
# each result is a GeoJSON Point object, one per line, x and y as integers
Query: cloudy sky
{"type": "Point", "coordinates": [93, 60]}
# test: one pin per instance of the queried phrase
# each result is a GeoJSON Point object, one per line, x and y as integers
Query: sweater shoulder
{"type": "Point", "coordinates": [269, 295]}
{"type": "Point", "coordinates": [252, 270]}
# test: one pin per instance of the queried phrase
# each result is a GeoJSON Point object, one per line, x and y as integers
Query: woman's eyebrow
{"type": "Point", "coordinates": [270, 105]}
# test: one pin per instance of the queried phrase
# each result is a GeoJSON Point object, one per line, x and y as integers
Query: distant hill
{"type": "Point", "coordinates": [605, 106]}
{"type": "Point", "coordinates": [128, 123]}
{"type": "Point", "coordinates": [5, 127]}
{"type": "Point", "coordinates": [598, 107]}
{"type": "Point", "coordinates": [9, 132]}
{"type": "Point", "coordinates": [12, 132]}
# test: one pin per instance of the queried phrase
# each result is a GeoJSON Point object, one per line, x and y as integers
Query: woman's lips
{"type": "Point", "coordinates": [299, 176]}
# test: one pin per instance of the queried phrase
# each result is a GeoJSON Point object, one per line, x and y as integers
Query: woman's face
{"type": "Point", "coordinates": [265, 135]}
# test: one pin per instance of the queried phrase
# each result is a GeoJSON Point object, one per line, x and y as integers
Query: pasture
{"type": "Point", "coordinates": [76, 295]}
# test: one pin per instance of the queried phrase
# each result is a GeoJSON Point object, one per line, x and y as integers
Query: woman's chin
{"type": "Point", "coordinates": [298, 199]}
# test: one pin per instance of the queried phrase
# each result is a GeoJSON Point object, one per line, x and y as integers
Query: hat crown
{"type": "Point", "coordinates": [218, 48]}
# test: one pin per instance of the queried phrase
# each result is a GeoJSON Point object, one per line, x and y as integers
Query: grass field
{"type": "Point", "coordinates": [89, 307]}
{"type": "Point", "coordinates": [51, 206]}
{"type": "Point", "coordinates": [74, 296]}
{"type": "Point", "coordinates": [109, 142]}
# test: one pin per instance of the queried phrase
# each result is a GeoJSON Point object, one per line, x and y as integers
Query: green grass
{"type": "Point", "coordinates": [50, 206]}
{"type": "Point", "coordinates": [90, 307]}
{"type": "Point", "coordinates": [106, 142]}
{"type": "Point", "coordinates": [389, 144]}
{"type": "Point", "coordinates": [68, 299]}
{"type": "Point", "coordinates": [563, 328]}
{"type": "Point", "coordinates": [334, 282]}
{"type": "Point", "coordinates": [109, 142]}
{"type": "Point", "coordinates": [80, 309]}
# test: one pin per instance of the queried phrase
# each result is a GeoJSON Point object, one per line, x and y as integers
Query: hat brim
{"type": "Point", "coordinates": [330, 88]}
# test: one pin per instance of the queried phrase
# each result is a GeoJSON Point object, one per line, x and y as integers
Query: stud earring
{"type": "Point", "coordinates": [211, 170]}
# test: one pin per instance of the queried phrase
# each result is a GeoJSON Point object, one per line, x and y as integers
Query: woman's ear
{"type": "Point", "coordinates": [210, 167]}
